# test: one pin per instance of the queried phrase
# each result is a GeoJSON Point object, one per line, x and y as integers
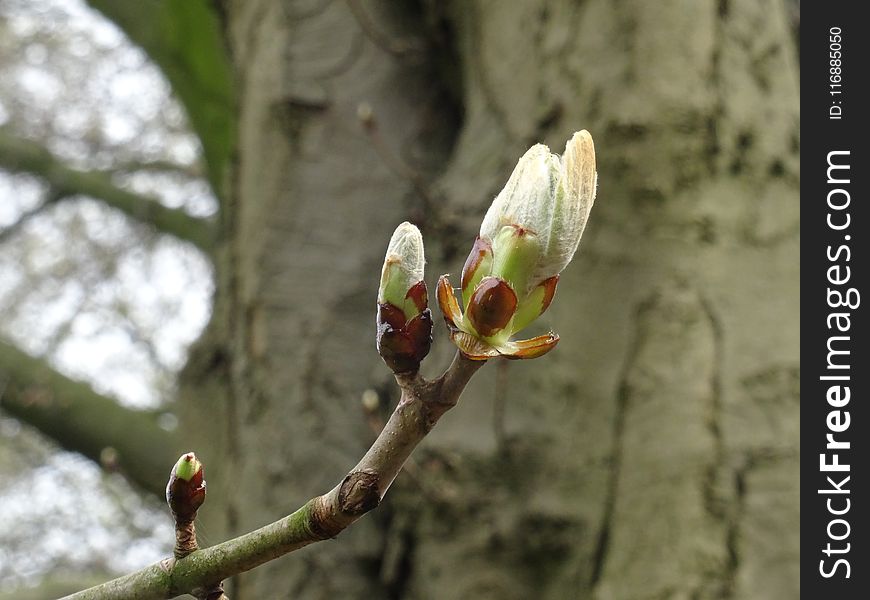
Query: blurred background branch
{"type": "Point", "coordinates": [81, 420]}
{"type": "Point", "coordinates": [20, 155]}
{"type": "Point", "coordinates": [107, 224]}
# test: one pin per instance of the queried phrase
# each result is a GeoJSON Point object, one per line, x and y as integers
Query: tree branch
{"type": "Point", "coordinates": [81, 420]}
{"type": "Point", "coordinates": [24, 156]}
{"type": "Point", "coordinates": [155, 166]}
{"type": "Point", "coordinates": [323, 517]}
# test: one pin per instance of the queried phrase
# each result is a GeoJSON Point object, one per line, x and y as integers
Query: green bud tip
{"type": "Point", "coordinates": [187, 466]}
{"type": "Point", "coordinates": [185, 491]}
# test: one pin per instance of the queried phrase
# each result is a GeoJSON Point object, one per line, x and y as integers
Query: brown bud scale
{"type": "Point", "coordinates": [185, 497]}
{"type": "Point", "coordinates": [478, 252]}
{"type": "Point", "coordinates": [491, 307]}
{"type": "Point", "coordinates": [403, 345]}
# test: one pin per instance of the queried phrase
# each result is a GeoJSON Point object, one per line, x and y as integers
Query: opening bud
{"type": "Point", "coordinates": [529, 235]}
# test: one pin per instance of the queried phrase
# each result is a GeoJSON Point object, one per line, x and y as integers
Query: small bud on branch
{"type": "Point", "coordinates": [185, 494]}
{"type": "Point", "coordinates": [185, 491]}
{"type": "Point", "coordinates": [404, 320]}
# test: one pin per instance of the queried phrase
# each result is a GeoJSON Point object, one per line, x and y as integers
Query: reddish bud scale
{"type": "Point", "coordinates": [390, 315]}
{"type": "Point", "coordinates": [479, 251]}
{"type": "Point", "coordinates": [403, 345]}
{"type": "Point", "coordinates": [475, 348]}
{"type": "Point", "coordinates": [491, 307]}
{"type": "Point", "coordinates": [448, 303]}
{"type": "Point", "coordinates": [534, 347]}
{"type": "Point", "coordinates": [549, 292]}
{"type": "Point", "coordinates": [419, 295]}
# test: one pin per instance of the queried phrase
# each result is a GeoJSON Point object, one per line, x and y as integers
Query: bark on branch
{"type": "Point", "coordinates": [323, 517]}
{"type": "Point", "coordinates": [24, 156]}
{"type": "Point", "coordinates": [81, 420]}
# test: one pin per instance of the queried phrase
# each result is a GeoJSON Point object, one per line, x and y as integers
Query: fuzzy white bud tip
{"type": "Point", "coordinates": [549, 196]}
{"type": "Point", "coordinates": [403, 265]}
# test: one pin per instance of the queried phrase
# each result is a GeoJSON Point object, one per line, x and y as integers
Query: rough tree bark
{"type": "Point", "coordinates": [654, 453]}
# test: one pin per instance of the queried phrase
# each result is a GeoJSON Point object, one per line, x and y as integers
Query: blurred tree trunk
{"type": "Point", "coordinates": [654, 454]}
